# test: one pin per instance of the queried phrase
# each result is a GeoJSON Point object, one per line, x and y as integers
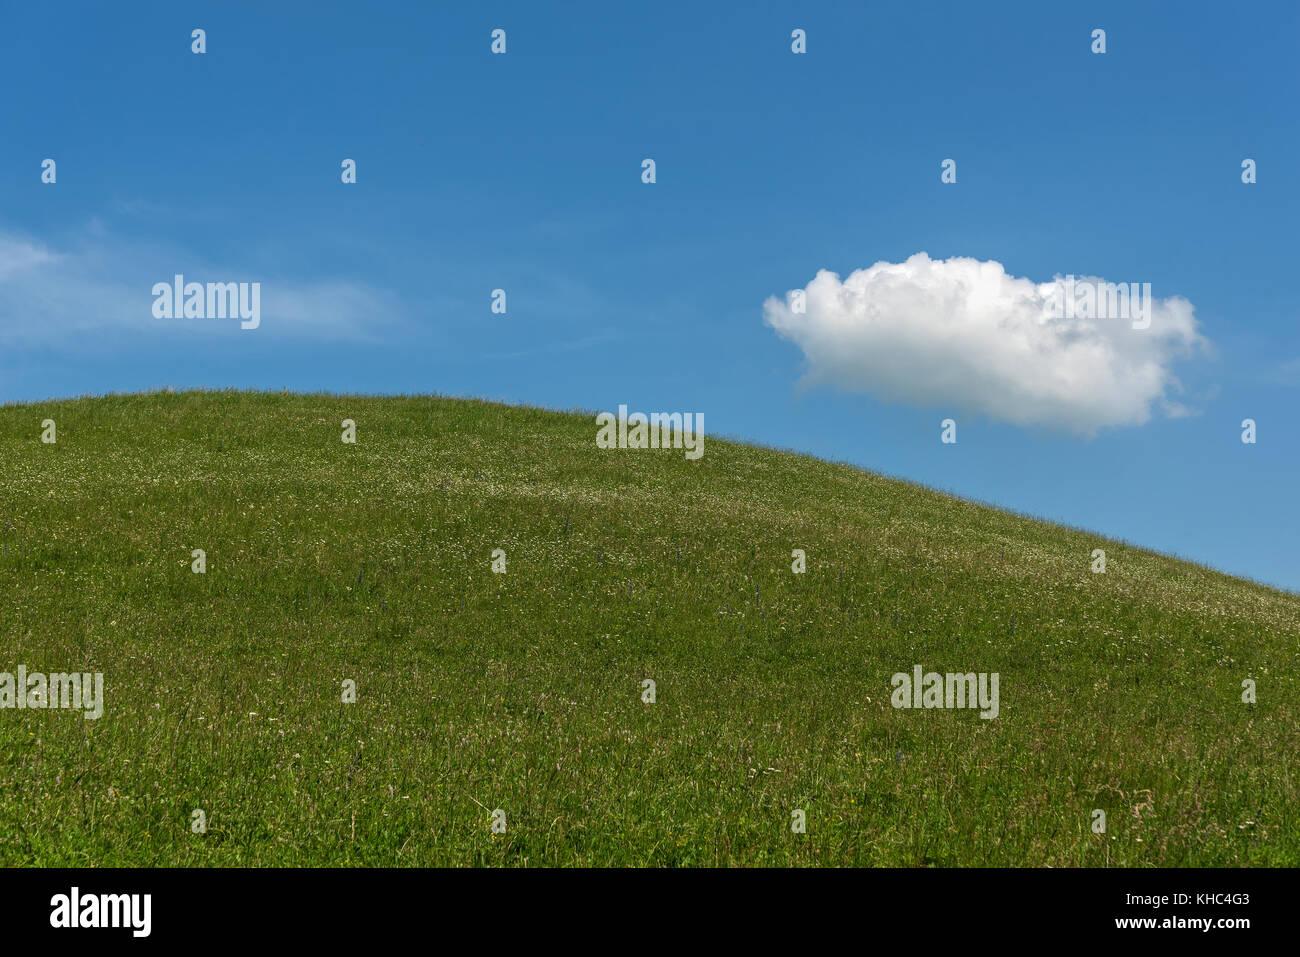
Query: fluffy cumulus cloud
{"type": "Point", "coordinates": [962, 334]}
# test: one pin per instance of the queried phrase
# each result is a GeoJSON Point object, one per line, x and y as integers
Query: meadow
{"type": "Point", "coordinates": [522, 692]}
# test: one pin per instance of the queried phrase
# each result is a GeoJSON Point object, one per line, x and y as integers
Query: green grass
{"type": "Point", "coordinates": [479, 691]}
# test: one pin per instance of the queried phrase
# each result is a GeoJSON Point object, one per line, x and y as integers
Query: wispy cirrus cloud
{"type": "Point", "coordinates": [94, 288]}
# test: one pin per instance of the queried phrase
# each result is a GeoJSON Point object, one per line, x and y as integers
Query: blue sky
{"type": "Point", "coordinates": [523, 172]}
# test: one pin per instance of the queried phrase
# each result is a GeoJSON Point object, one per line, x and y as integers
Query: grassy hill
{"type": "Point", "coordinates": [522, 691]}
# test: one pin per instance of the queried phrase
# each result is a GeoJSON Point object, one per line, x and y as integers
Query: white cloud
{"type": "Point", "coordinates": [1288, 373]}
{"type": "Point", "coordinates": [962, 334]}
{"type": "Point", "coordinates": [96, 290]}
{"type": "Point", "coordinates": [18, 256]}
